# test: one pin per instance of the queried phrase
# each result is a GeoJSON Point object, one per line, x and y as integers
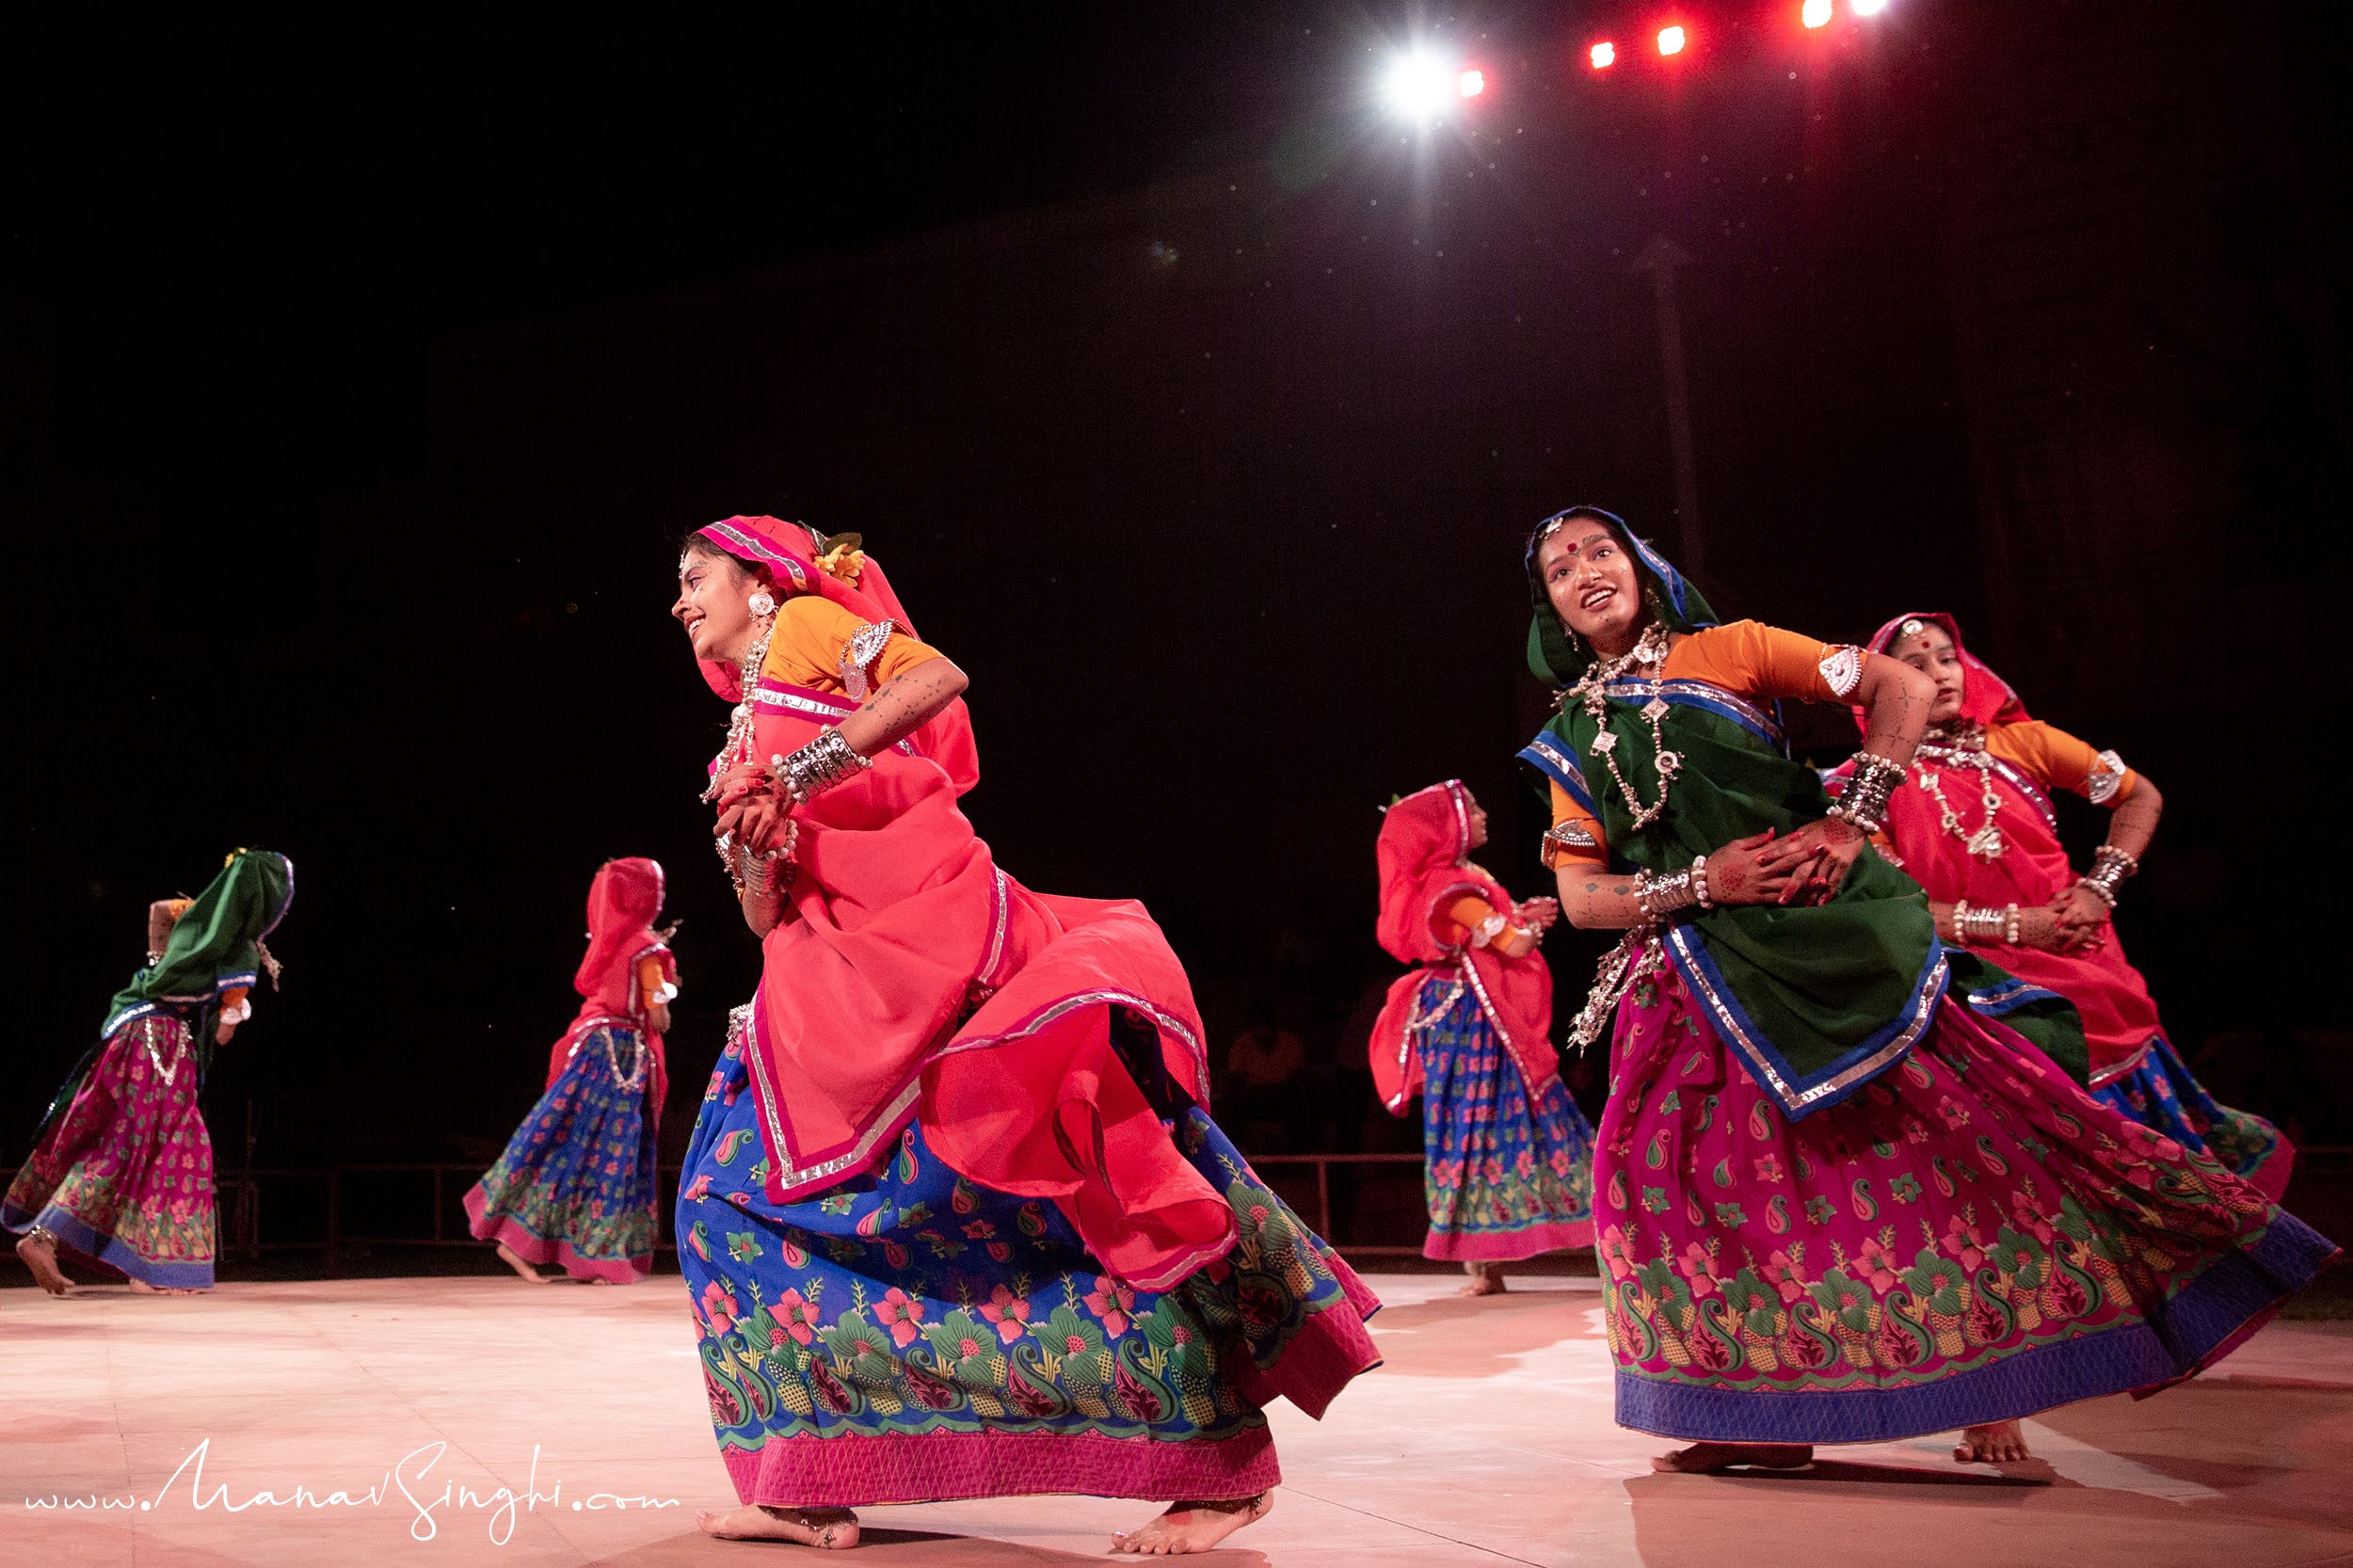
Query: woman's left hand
{"type": "Point", "coordinates": [223, 1030]}
{"type": "Point", "coordinates": [2081, 921]}
{"type": "Point", "coordinates": [1538, 914]}
{"type": "Point", "coordinates": [1819, 855]}
{"type": "Point", "coordinates": [753, 806]}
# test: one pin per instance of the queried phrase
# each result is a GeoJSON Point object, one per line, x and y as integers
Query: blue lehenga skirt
{"type": "Point", "coordinates": [908, 1336]}
{"type": "Point", "coordinates": [576, 1184]}
{"type": "Point", "coordinates": [1507, 1175]}
{"type": "Point", "coordinates": [2160, 1092]}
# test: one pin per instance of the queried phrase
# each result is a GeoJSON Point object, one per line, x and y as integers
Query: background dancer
{"type": "Point", "coordinates": [120, 1174]}
{"type": "Point", "coordinates": [1972, 825]}
{"type": "Point", "coordinates": [576, 1184]}
{"type": "Point", "coordinates": [1844, 1198]}
{"type": "Point", "coordinates": [955, 1219]}
{"type": "Point", "coordinates": [1508, 1157]}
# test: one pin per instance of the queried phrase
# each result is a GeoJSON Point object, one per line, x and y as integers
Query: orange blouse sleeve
{"type": "Point", "coordinates": [651, 987]}
{"type": "Point", "coordinates": [1575, 836]}
{"type": "Point", "coordinates": [818, 644]}
{"type": "Point", "coordinates": [2057, 760]}
{"type": "Point", "coordinates": [1751, 658]}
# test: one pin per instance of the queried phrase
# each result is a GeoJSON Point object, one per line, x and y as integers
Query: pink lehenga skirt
{"type": "Point", "coordinates": [123, 1176]}
{"type": "Point", "coordinates": [1970, 1238]}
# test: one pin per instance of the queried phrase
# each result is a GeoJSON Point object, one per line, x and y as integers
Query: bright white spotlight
{"type": "Point", "coordinates": [1420, 86]}
{"type": "Point", "coordinates": [1815, 13]}
{"type": "Point", "coordinates": [1671, 41]}
{"type": "Point", "coordinates": [1866, 8]}
{"type": "Point", "coordinates": [1604, 55]}
{"type": "Point", "coordinates": [1473, 83]}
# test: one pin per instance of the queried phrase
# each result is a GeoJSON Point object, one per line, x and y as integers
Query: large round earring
{"type": "Point", "coordinates": [762, 603]}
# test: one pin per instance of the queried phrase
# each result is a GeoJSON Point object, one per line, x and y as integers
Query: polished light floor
{"type": "Point", "coordinates": [377, 1420]}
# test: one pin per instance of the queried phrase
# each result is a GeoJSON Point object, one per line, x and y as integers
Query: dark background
{"type": "Point", "coordinates": [357, 381]}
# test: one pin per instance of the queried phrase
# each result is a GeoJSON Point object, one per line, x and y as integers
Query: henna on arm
{"type": "Point", "coordinates": [1596, 901]}
{"type": "Point", "coordinates": [903, 704]}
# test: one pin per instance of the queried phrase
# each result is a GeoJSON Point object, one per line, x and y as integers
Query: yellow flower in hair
{"type": "Point", "coordinates": [841, 559]}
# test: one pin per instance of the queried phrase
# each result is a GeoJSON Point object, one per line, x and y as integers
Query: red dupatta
{"type": "Point", "coordinates": [623, 901]}
{"type": "Point", "coordinates": [1424, 854]}
{"type": "Point", "coordinates": [914, 979]}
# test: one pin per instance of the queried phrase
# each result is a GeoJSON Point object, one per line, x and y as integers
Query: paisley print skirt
{"type": "Point", "coordinates": [908, 1336]}
{"type": "Point", "coordinates": [2160, 1094]}
{"type": "Point", "coordinates": [1507, 1175]}
{"type": "Point", "coordinates": [1971, 1238]}
{"type": "Point", "coordinates": [576, 1184]}
{"type": "Point", "coordinates": [124, 1176]}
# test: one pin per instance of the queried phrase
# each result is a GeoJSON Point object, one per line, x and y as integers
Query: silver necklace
{"type": "Point", "coordinates": [1649, 651]}
{"type": "Point", "coordinates": [1962, 750]}
{"type": "Point", "coordinates": [737, 747]}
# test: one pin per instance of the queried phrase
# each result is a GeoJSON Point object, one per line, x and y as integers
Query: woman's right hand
{"type": "Point", "coordinates": [1738, 872]}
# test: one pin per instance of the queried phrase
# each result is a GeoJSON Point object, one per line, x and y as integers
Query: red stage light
{"type": "Point", "coordinates": [1474, 83]}
{"type": "Point", "coordinates": [1604, 55]}
{"type": "Point", "coordinates": [1815, 13]}
{"type": "Point", "coordinates": [1671, 41]}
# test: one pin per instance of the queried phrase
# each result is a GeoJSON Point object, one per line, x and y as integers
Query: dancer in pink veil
{"type": "Point", "coordinates": [575, 1186]}
{"type": "Point", "coordinates": [1508, 1157]}
{"type": "Point", "coordinates": [1972, 825]}
{"type": "Point", "coordinates": [955, 1219]}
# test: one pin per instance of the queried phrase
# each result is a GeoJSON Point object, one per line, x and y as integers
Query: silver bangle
{"type": "Point", "coordinates": [819, 765]}
{"type": "Point", "coordinates": [1699, 882]}
{"type": "Point", "coordinates": [2010, 929]}
{"type": "Point", "coordinates": [1657, 893]}
{"type": "Point", "coordinates": [2110, 866]}
{"type": "Point", "coordinates": [1488, 930]}
{"type": "Point", "coordinates": [1863, 804]}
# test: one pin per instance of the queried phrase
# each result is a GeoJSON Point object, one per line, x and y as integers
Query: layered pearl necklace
{"type": "Point", "coordinates": [1649, 652]}
{"type": "Point", "coordinates": [1963, 749]}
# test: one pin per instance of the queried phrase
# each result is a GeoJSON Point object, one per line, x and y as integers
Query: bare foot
{"type": "Point", "coordinates": [146, 1290]}
{"type": "Point", "coordinates": [1486, 1280]}
{"type": "Point", "coordinates": [39, 1254]}
{"type": "Point", "coordinates": [508, 1256]}
{"type": "Point", "coordinates": [1995, 1443]}
{"type": "Point", "coordinates": [1194, 1527]}
{"type": "Point", "coordinates": [834, 1528]}
{"type": "Point", "coordinates": [1705, 1457]}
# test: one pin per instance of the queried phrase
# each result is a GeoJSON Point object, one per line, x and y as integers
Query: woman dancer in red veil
{"type": "Point", "coordinates": [576, 1184]}
{"type": "Point", "coordinates": [1507, 1171]}
{"type": "Point", "coordinates": [1973, 824]}
{"type": "Point", "coordinates": [955, 1219]}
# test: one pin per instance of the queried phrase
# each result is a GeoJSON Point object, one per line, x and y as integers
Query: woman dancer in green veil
{"type": "Point", "coordinates": [121, 1176]}
{"type": "Point", "coordinates": [1849, 1185]}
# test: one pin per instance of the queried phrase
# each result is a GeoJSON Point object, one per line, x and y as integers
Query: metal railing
{"type": "Point", "coordinates": [239, 1193]}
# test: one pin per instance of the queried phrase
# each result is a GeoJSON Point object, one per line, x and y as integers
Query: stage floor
{"type": "Point", "coordinates": [1486, 1439]}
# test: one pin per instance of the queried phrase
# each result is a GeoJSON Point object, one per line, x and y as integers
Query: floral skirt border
{"type": "Point", "coordinates": [2211, 1318]}
{"type": "Point", "coordinates": [1969, 1239]}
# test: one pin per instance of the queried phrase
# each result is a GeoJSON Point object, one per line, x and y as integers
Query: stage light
{"type": "Point", "coordinates": [1671, 41]}
{"type": "Point", "coordinates": [1603, 55]}
{"type": "Point", "coordinates": [1473, 83]}
{"type": "Point", "coordinates": [1866, 8]}
{"type": "Point", "coordinates": [1419, 87]}
{"type": "Point", "coordinates": [1815, 13]}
